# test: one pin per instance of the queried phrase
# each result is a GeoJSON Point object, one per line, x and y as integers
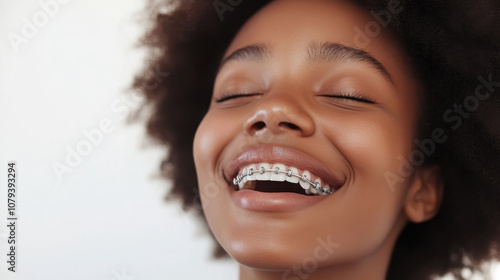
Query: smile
{"type": "Point", "coordinates": [250, 175]}
{"type": "Point", "coordinates": [276, 178]}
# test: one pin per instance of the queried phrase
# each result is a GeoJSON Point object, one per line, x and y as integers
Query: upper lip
{"type": "Point", "coordinates": [280, 154]}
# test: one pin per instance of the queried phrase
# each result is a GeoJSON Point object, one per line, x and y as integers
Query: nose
{"type": "Point", "coordinates": [280, 114]}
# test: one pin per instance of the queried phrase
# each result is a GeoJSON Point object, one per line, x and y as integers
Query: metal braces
{"type": "Point", "coordinates": [288, 173]}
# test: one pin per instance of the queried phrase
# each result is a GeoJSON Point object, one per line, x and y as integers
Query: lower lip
{"type": "Point", "coordinates": [273, 202]}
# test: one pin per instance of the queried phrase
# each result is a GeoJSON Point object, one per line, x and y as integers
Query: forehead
{"type": "Point", "coordinates": [299, 19]}
{"type": "Point", "coordinates": [290, 26]}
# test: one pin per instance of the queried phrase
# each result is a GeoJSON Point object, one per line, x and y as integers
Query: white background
{"type": "Point", "coordinates": [106, 219]}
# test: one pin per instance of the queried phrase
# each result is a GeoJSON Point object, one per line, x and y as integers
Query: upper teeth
{"type": "Point", "coordinates": [279, 172]}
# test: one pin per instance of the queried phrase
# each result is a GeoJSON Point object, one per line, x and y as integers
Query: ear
{"type": "Point", "coordinates": [424, 195]}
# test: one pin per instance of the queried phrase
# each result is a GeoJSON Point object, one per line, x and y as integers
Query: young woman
{"type": "Point", "coordinates": [330, 139]}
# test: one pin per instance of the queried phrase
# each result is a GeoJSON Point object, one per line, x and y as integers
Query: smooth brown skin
{"type": "Point", "coordinates": [358, 141]}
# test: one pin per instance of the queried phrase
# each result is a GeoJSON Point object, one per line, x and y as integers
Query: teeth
{"type": "Point", "coordinates": [317, 186]}
{"type": "Point", "coordinates": [240, 185]}
{"type": "Point", "coordinates": [262, 175]}
{"type": "Point", "coordinates": [303, 182]}
{"type": "Point", "coordinates": [246, 185]}
{"type": "Point", "coordinates": [327, 188]}
{"type": "Point", "coordinates": [279, 173]}
{"type": "Point", "coordinates": [278, 176]}
{"type": "Point", "coordinates": [292, 179]}
{"type": "Point", "coordinates": [252, 173]}
{"type": "Point", "coordinates": [242, 182]}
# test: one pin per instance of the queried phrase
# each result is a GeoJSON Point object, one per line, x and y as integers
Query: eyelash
{"type": "Point", "coordinates": [351, 96]}
{"type": "Point", "coordinates": [228, 96]}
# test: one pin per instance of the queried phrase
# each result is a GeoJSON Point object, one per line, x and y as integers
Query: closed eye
{"type": "Point", "coordinates": [351, 97]}
{"type": "Point", "coordinates": [229, 96]}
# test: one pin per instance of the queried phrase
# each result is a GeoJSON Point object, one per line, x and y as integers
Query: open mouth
{"type": "Point", "coordinates": [264, 177]}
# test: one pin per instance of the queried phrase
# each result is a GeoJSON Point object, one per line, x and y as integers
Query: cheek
{"type": "Point", "coordinates": [219, 132]}
{"type": "Point", "coordinates": [212, 139]}
{"type": "Point", "coordinates": [206, 146]}
{"type": "Point", "coordinates": [371, 146]}
{"type": "Point", "coordinates": [209, 140]}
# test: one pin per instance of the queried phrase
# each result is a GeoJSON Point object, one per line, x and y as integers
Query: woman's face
{"type": "Point", "coordinates": [316, 99]}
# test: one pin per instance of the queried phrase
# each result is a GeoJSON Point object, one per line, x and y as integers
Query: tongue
{"type": "Point", "coordinates": [272, 186]}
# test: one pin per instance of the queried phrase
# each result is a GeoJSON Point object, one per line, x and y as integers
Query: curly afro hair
{"type": "Point", "coordinates": [454, 46]}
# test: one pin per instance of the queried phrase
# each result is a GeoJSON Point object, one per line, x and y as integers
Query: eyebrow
{"type": "Point", "coordinates": [316, 53]}
{"type": "Point", "coordinates": [327, 51]}
{"type": "Point", "coordinates": [249, 53]}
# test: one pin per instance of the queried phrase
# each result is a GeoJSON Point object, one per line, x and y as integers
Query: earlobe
{"type": "Point", "coordinates": [424, 195]}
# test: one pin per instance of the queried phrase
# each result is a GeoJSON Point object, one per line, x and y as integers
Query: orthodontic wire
{"type": "Point", "coordinates": [277, 170]}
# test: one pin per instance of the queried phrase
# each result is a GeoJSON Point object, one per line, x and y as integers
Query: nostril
{"type": "Point", "coordinates": [289, 125]}
{"type": "Point", "coordinates": [259, 125]}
